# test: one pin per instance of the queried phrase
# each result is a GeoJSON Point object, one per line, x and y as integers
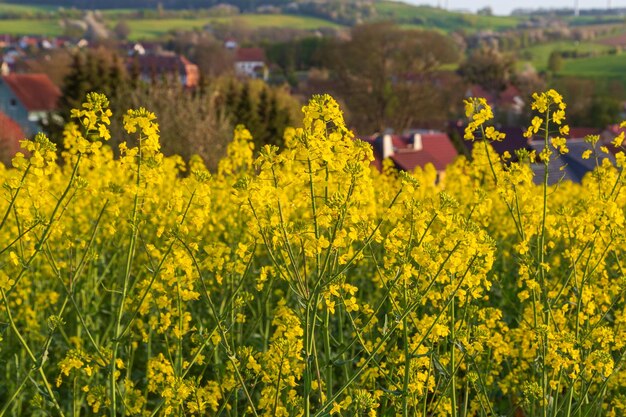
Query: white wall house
{"type": "Point", "coordinates": [250, 62]}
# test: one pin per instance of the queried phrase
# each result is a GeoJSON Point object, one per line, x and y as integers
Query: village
{"type": "Point", "coordinates": [29, 102]}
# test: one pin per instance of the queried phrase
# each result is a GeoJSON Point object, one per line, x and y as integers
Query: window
{"type": "Point", "coordinates": [13, 102]}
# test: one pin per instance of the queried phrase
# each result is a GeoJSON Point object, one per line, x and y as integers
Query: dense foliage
{"type": "Point", "coordinates": [304, 283]}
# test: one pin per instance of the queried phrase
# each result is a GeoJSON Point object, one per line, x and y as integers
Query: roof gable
{"type": "Point", "coordinates": [436, 148]}
{"type": "Point", "coordinates": [36, 92]}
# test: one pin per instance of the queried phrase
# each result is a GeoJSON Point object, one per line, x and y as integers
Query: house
{"type": "Point", "coordinates": [513, 141]}
{"type": "Point", "coordinates": [143, 48]}
{"type": "Point", "coordinates": [151, 67]}
{"type": "Point", "coordinates": [10, 135]}
{"type": "Point", "coordinates": [28, 99]}
{"type": "Point", "coordinates": [569, 166]}
{"type": "Point", "coordinates": [231, 44]}
{"type": "Point", "coordinates": [251, 62]}
{"type": "Point", "coordinates": [415, 149]}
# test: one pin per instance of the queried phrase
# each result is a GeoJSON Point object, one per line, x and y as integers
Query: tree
{"type": "Point", "coordinates": [488, 68]}
{"type": "Point", "coordinates": [205, 131]}
{"type": "Point", "coordinates": [92, 70]}
{"type": "Point", "coordinates": [231, 97]}
{"type": "Point", "coordinates": [603, 111]}
{"type": "Point", "coordinates": [204, 50]}
{"type": "Point", "coordinates": [98, 70]}
{"type": "Point", "coordinates": [278, 120]}
{"type": "Point", "coordinates": [122, 30]}
{"type": "Point", "coordinates": [244, 112]}
{"type": "Point", "coordinates": [555, 62]}
{"type": "Point", "coordinates": [485, 11]}
{"type": "Point", "coordinates": [262, 114]}
{"type": "Point", "coordinates": [386, 75]}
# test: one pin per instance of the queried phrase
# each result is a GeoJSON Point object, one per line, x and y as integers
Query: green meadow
{"type": "Point", "coordinates": [539, 54]}
{"type": "Point", "coordinates": [606, 67]}
{"type": "Point", "coordinates": [23, 8]}
{"type": "Point", "coordinates": [49, 27]}
{"type": "Point", "coordinates": [431, 17]}
{"type": "Point", "coordinates": [152, 28]}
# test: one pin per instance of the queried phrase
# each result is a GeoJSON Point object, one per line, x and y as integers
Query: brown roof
{"type": "Point", "coordinates": [10, 135]}
{"type": "Point", "coordinates": [250, 54]}
{"type": "Point", "coordinates": [36, 92]}
{"type": "Point", "coordinates": [167, 64]}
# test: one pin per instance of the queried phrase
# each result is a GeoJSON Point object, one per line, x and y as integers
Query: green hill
{"type": "Point", "coordinates": [432, 17]}
{"type": "Point", "coordinates": [601, 67]}
{"type": "Point", "coordinates": [538, 55]}
{"type": "Point", "coordinates": [152, 28]}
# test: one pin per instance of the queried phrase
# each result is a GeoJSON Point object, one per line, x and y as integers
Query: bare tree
{"type": "Point", "coordinates": [387, 75]}
{"type": "Point", "coordinates": [190, 124]}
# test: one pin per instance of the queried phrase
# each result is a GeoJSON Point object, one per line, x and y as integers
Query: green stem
{"type": "Point", "coordinates": [44, 236]}
{"type": "Point", "coordinates": [452, 358]}
{"type": "Point", "coordinates": [542, 272]}
{"type": "Point", "coordinates": [120, 310]}
{"type": "Point", "coordinates": [30, 353]}
{"type": "Point", "coordinates": [14, 197]}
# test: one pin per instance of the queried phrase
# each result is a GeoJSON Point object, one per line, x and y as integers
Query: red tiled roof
{"type": "Point", "coordinates": [440, 147]}
{"type": "Point", "coordinates": [250, 55]}
{"type": "Point", "coordinates": [10, 135]}
{"type": "Point", "coordinates": [437, 149]}
{"type": "Point", "coordinates": [399, 142]}
{"type": "Point", "coordinates": [36, 92]}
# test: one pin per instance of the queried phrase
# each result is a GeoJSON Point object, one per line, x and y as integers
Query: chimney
{"type": "Point", "coordinates": [387, 146]}
{"type": "Point", "coordinates": [417, 142]}
{"type": "Point", "coordinates": [5, 69]}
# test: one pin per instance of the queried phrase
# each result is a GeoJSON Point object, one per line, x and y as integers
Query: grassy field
{"type": "Point", "coordinates": [151, 28]}
{"type": "Point", "coordinates": [539, 54]}
{"type": "Point", "coordinates": [605, 67]}
{"type": "Point", "coordinates": [21, 8]}
{"type": "Point", "coordinates": [594, 20]}
{"type": "Point", "coordinates": [47, 27]}
{"type": "Point", "coordinates": [430, 17]}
